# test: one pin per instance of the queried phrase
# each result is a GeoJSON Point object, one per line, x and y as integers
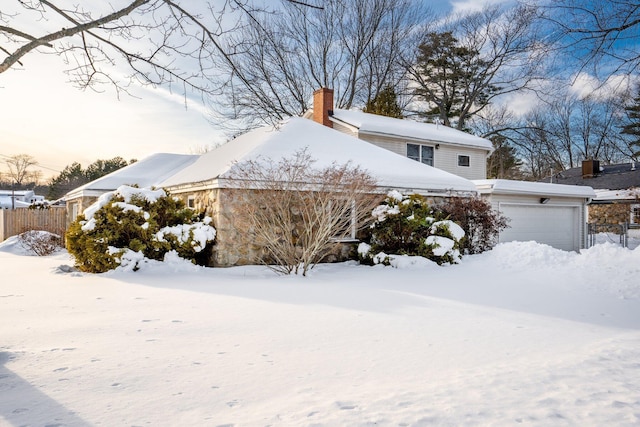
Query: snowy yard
{"type": "Point", "coordinates": [524, 334]}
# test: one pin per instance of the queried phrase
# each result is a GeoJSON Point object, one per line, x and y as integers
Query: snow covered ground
{"type": "Point", "coordinates": [524, 334]}
{"type": "Point", "coordinates": [633, 238]}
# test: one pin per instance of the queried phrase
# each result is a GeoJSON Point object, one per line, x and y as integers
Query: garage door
{"type": "Point", "coordinates": [556, 226]}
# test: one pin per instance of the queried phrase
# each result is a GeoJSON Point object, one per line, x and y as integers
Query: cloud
{"type": "Point", "coordinates": [585, 85]}
{"type": "Point", "coordinates": [470, 6]}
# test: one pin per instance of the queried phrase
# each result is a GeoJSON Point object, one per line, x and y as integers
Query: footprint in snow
{"type": "Point", "coordinates": [346, 406]}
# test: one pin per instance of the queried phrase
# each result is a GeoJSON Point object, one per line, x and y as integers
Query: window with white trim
{"type": "Point", "coordinates": [345, 220]}
{"type": "Point", "coordinates": [464, 160]}
{"type": "Point", "coordinates": [635, 214]}
{"type": "Point", "coordinates": [74, 211]}
{"type": "Point", "coordinates": [420, 153]}
{"type": "Point", "coordinates": [191, 202]}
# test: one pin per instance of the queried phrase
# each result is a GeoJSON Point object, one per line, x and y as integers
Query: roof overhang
{"type": "Point", "coordinates": [505, 186]}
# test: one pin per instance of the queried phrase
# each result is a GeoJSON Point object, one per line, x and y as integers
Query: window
{"type": "Point", "coordinates": [463, 160]}
{"type": "Point", "coordinates": [191, 202]}
{"type": "Point", "coordinates": [421, 153]}
{"type": "Point", "coordinates": [74, 211]}
{"type": "Point", "coordinates": [635, 214]}
{"type": "Point", "coordinates": [344, 215]}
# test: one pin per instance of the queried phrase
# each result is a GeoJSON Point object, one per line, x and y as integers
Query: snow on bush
{"type": "Point", "coordinates": [130, 227]}
{"type": "Point", "coordinates": [406, 226]}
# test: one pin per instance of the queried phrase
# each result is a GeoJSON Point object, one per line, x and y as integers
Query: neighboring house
{"type": "Point", "coordinates": [10, 199]}
{"type": "Point", "coordinates": [439, 146]}
{"type": "Point", "coordinates": [617, 189]}
{"type": "Point", "coordinates": [145, 173]}
{"type": "Point", "coordinates": [552, 214]}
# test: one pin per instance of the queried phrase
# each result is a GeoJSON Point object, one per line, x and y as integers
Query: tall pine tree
{"type": "Point", "coordinates": [452, 79]}
{"type": "Point", "coordinates": [633, 126]}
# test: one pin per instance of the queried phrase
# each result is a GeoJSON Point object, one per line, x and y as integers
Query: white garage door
{"type": "Point", "coordinates": [556, 226]}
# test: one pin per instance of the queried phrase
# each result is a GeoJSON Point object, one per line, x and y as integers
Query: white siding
{"type": "Point", "coordinates": [344, 129]}
{"type": "Point", "coordinates": [445, 156]}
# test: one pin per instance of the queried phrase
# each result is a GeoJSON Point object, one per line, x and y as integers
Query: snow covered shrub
{"type": "Point", "coordinates": [481, 224]}
{"type": "Point", "coordinates": [132, 220]}
{"type": "Point", "coordinates": [41, 243]}
{"type": "Point", "coordinates": [407, 225]}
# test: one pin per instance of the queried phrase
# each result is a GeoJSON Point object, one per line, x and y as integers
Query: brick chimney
{"type": "Point", "coordinates": [590, 168]}
{"type": "Point", "coordinates": [323, 106]}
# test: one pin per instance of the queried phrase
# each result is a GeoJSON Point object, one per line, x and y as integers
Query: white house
{"type": "Point", "coordinates": [10, 199]}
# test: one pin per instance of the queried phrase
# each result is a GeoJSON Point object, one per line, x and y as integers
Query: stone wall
{"type": "Point", "coordinates": [236, 243]}
{"type": "Point", "coordinates": [615, 213]}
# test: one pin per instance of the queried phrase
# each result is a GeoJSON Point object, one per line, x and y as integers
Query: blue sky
{"type": "Point", "coordinates": [43, 115]}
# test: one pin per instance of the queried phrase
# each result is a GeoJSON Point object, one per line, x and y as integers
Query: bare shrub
{"type": "Point", "coordinates": [481, 223]}
{"type": "Point", "coordinates": [41, 243]}
{"type": "Point", "coordinates": [298, 213]}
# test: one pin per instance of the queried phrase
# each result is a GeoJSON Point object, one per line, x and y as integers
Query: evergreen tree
{"type": "Point", "coordinates": [100, 168]}
{"type": "Point", "coordinates": [73, 176]}
{"type": "Point", "coordinates": [385, 104]}
{"type": "Point", "coordinates": [633, 126]}
{"type": "Point", "coordinates": [450, 79]}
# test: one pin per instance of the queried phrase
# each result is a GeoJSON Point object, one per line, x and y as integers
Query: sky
{"type": "Point", "coordinates": [46, 117]}
{"type": "Point", "coordinates": [521, 335]}
{"type": "Point", "coordinates": [43, 115]}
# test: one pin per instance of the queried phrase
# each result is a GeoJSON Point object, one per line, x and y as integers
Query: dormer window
{"type": "Point", "coordinates": [463, 160]}
{"type": "Point", "coordinates": [420, 153]}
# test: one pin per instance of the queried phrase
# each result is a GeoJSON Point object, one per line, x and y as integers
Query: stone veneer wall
{"type": "Point", "coordinates": [235, 243]}
{"type": "Point", "coordinates": [82, 202]}
{"type": "Point", "coordinates": [615, 213]}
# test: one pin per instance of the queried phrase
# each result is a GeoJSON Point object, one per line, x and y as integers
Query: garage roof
{"type": "Point", "coordinates": [505, 186]}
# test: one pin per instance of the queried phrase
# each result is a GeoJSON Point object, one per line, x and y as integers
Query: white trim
{"type": "Point", "coordinates": [433, 150]}
{"type": "Point", "coordinates": [631, 214]}
{"type": "Point", "coordinates": [458, 165]}
{"type": "Point", "coordinates": [506, 186]}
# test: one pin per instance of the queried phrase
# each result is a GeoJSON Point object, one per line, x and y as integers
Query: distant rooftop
{"type": "Point", "coordinates": [609, 177]}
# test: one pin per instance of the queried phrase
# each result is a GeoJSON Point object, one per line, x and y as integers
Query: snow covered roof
{"type": "Point", "coordinates": [325, 146]}
{"type": "Point", "coordinates": [147, 172]}
{"type": "Point", "coordinates": [376, 124]}
{"type": "Point", "coordinates": [17, 193]}
{"type": "Point", "coordinates": [505, 186]}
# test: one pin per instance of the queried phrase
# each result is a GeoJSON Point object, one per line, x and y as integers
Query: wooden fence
{"type": "Point", "coordinates": [16, 221]}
